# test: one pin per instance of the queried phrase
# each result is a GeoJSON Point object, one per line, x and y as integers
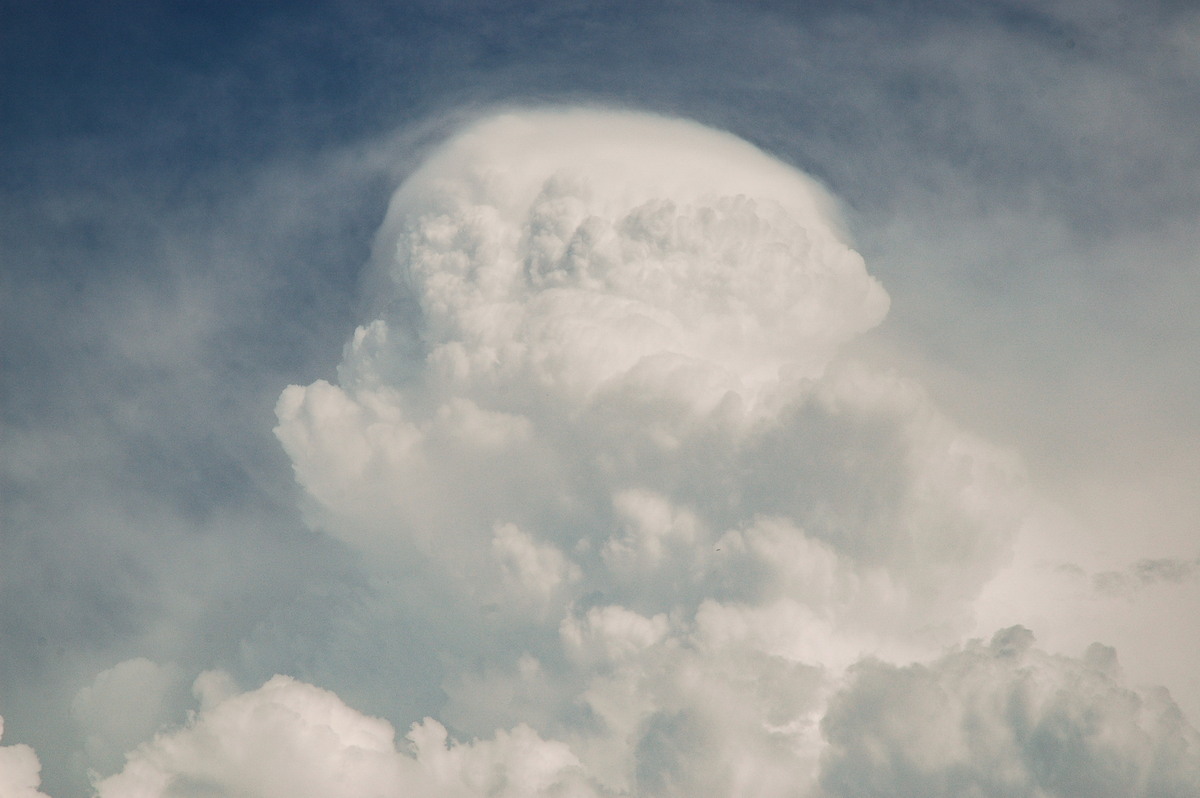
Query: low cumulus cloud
{"type": "Point", "coordinates": [123, 706]}
{"type": "Point", "coordinates": [20, 771]}
{"type": "Point", "coordinates": [601, 446]}
{"type": "Point", "coordinates": [1006, 719]}
{"type": "Point", "coordinates": [289, 739]}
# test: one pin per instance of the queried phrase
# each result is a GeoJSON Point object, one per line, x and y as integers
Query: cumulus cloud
{"type": "Point", "coordinates": [19, 770]}
{"type": "Point", "coordinates": [603, 447]}
{"type": "Point", "coordinates": [289, 739]}
{"type": "Point", "coordinates": [626, 331]}
{"type": "Point", "coordinates": [620, 493]}
{"type": "Point", "coordinates": [124, 705]}
{"type": "Point", "coordinates": [1003, 719]}
{"type": "Point", "coordinates": [602, 420]}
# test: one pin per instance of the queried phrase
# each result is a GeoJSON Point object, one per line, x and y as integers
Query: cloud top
{"type": "Point", "coordinates": [573, 248]}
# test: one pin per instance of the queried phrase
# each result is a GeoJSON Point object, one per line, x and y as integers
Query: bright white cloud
{"type": "Point", "coordinates": [565, 249]}
{"type": "Point", "coordinates": [288, 739]}
{"type": "Point", "coordinates": [603, 445]}
{"type": "Point", "coordinates": [19, 770]}
{"type": "Point", "coordinates": [622, 316]}
{"type": "Point", "coordinates": [628, 507]}
{"type": "Point", "coordinates": [602, 409]}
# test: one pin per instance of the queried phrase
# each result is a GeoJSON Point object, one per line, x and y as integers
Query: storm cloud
{"type": "Point", "coordinates": [681, 396]}
{"type": "Point", "coordinates": [603, 446]}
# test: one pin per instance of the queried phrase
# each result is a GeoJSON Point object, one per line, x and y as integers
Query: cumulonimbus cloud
{"type": "Point", "coordinates": [601, 433]}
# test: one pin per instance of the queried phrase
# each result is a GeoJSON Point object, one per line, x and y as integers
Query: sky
{"type": "Point", "coordinates": [599, 399]}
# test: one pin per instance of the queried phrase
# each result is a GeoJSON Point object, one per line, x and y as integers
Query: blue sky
{"type": "Point", "coordinates": [189, 212]}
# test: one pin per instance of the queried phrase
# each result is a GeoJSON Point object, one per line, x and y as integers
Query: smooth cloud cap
{"type": "Point", "coordinates": [571, 246]}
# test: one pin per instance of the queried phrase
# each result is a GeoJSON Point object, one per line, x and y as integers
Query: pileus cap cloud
{"type": "Point", "coordinates": [568, 248]}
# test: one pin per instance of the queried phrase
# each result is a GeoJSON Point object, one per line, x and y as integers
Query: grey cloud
{"type": "Point", "coordinates": [1165, 569]}
{"type": "Point", "coordinates": [1006, 719]}
{"type": "Point", "coordinates": [1111, 583]}
{"type": "Point", "coordinates": [1144, 574]}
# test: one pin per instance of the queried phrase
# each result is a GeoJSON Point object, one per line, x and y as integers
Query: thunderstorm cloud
{"type": "Point", "coordinates": [599, 400]}
{"type": "Point", "coordinates": [603, 443]}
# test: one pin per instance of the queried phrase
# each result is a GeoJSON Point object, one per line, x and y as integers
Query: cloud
{"type": "Point", "coordinates": [995, 719]}
{"type": "Point", "coordinates": [123, 706]}
{"type": "Point", "coordinates": [19, 770]}
{"type": "Point", "coordinates": [1164, 569]}
{"type": "Point", "coordinates": [601, 435]}
{"type": "Point", "coordinates": [1143, 574]}
{"type": "Point", "coordinates": [615, 317]}
{"type": "Point", "coordinates": [1005, 718]}
{"type": "Point", "coordinates": [147, 509]}
{"type": "Point", "coordinates": [288, 739]}
{"type": "Point", "coordinates": [170, 272]}
{"type": "Point", "coordinates": [635, 508]}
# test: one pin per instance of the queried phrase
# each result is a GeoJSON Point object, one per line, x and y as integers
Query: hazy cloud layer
{"type": "Point", "coordinates": [1144, 573]}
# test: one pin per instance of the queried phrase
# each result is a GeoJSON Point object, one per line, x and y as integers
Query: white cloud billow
{"type": "Point", "coordinates": [601, 435]}
{"type": "Point", "coordinates": [288, 739]}
{"type": "Point", "coordinates": [578, 305]}
{"type": "Point", "coordinates": [20, 771]}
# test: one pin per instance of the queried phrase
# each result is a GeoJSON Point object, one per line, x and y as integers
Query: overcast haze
{"type": "Point", "coordinates": [649, 399]}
